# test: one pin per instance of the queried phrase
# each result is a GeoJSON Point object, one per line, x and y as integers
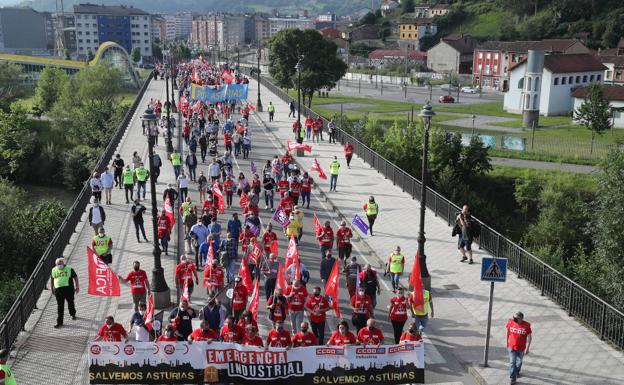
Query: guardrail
{"type": "Point", "coordinates": [596, 314]}
{"type": "Point", "coordinates": [15, 320]}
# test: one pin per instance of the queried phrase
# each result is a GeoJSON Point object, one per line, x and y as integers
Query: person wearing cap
{"type": "Point", "coordinates": [397, 310]}
{"type": "Point", "coordinates": [64, 284]}
{"type": "Point", "coordinates": [96, 186]}
{"type": "Point", "coordinates": [101, 245]}
{"type": "Point", "coordinates": [395, 266]}
{"type": "Point", "coordinates": [184, 273]}
{"type": "Point", "coordinates": [142, 175]}
{"type": "Point", "coordinates": [6, 375]}
{"type": "Point", "coordinates": [371, 208]}
{"type": "Point", "coordinates": [239, 298]}
{"type": "Point", "coordinates": [107, 184]}
{"type": "Point", "coordinates": [411, 334]}
{"type": "Point", "coordinates": [279, 337]}
{"type": "Point", "coordinates": [352, 270]}
{"type": "Point", "coordinates": [518, 343]}
{"type": "Point", "coordinates": [343, 237]}
{"type": "Point", "coordinates": [97, 216]}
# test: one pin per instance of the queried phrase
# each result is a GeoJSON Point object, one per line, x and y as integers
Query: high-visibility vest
{"type": "Point", "coordinates": [62, 276]}
{"type": "Point", "coordinates": [372, 208]}
{"type": "Point", "coordinates": [176, 159]}
{"type": "Point", "coordinates": [186, 208]}
{"type": "Point", "coordinates": [128, 176]}
{"type": "Point", "coordinates": [9, 379]}
{"type": "Point", "coordinates": [333, 167]}
{"type": "Point", "coordinates": [141, 174]}
{"type": "Point", "coordinates": [271, 108]}
{"type": "Point", "coordinates": [101, 244]}
{"type": "Point", "coordinates": [425, 309]}
{"type": "Point", "coordinates": [396, 263]}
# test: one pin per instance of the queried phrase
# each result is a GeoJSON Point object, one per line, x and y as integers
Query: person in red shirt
{"type": "Point", "coordinates": [286, 160]}
{"type": "Point", "coordinates": [164, 231]}
{"type": "Point", "coordinates": [279, 337]}
{"type": "Point", "coordinates": [296, 295]}
{"type": "Point", "coordinates": [309, 124]}
{"type": "Point", "coordinates": [111, 331]}
{"type": "Point", "coordinates": [326, 239]}
{"type": "Point", "coordinates": [370, 335]}
{"type": "Point", "coordinates": [268, 238]}
{"type": "Point", "coordinates": [348, 150]}
{"type": "Point", "coordinates": [230, 332]}
{"type": "Point", "coordinates": [295, 128]}
{"type": "Point", "coordinates": [411, 334]}
{"type": "Point", "coordinates": [283, 185]}
{"type": "Point", "coordinates": [518, 343]}
{"type": "Point", "coordinates": [287, 203]}
{"type": "Point", "coordinates": [168, 335]}
{"type": "Point", "coordinates": [306, 189]}
{"type": "Point", "coordinates": [295, 189]}
{"type": "Point", "coordinates": [245, 239]}
{"type": "Point", "coordinates": [185, 271]}
{"type": "Point", "coordinates": [342, 336]}
{"type": "Point", "coordinates": [239, 298]}
{"type": "Point", "coordinates": [139, 285]}
{"type": "Point", "coordinates": [203, 333]}
{"type": "Point", "coordinates": [214, 276]}
{"type": "Point", "coordinates": [227, 140]}
{"type": "Point", "coordinates": [318, 124]}
{"type": "Point", "coordinates": [362, 306]}
{"type": "Point", "coordinates": [228, 189]}
{"type": "Point", "coordinates": [252, 338]}
{"type": "Point", "coordinates": [398, 314]}
{"type": "Point", "coordinates": [304, 337]}
{"type": "Point", "coordinates": [317, 307]}
{"type": "Point", "coordinates": [247, 320]}
{"type": "Point", "coordinates": [343, 236]}
{"type": "Point", "coordinates": [277, 305]}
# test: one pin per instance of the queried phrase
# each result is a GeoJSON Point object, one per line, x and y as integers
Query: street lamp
{"type": "Point", "coordinates": [473, 121]}
{"type": "Point", "coordinates": [174, 109]}
{"type": "Point", "coordinates": [426, 114]}
{"type": "Point", "coordinates": [160, 290]}
{"type": "Point", "coordinates": [258, 54]}
{"type": "Point", "coordinates": [168, 110]}
{"type": "Point", "coordinates": [299, 133]}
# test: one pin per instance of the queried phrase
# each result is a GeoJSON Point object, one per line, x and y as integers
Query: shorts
{"type": "Point", "coordinates": [464, 243]}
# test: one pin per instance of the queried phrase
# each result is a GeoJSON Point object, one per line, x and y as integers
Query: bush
{"type": "Point", "coordinates": [77, 165]}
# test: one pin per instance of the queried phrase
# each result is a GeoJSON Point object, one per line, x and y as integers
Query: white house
{"type": "Point", "coordinates": [562, 74]}
{"type": "Point", "coordinates": [615, 96]}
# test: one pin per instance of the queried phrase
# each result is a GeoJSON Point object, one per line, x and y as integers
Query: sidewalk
{"type": "Point", "coordinates": [563, 351]}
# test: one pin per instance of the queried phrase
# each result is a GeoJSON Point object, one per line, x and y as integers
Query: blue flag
{"type": "Point", "coordinates": [359, 223]}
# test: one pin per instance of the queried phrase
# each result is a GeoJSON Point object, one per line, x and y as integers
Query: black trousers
{"type": "Point", "coordinates": [371, 222]}
{"type": "Point", "coordinates": [318, 328]}
{"type": "Point", "coordinates": [139, 226]}
{"type": "Point", "coordinates": [63, 294]}
{"type": "Point", "coordinates": [129, 188]}
{"type": "Point", "coordinates": [397, 327]}
{"type": "Point", "coordinates": [269, 287]}
{"type": "Point", "coordinates": [117, 177]}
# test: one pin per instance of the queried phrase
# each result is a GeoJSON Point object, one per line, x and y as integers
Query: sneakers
{"type": "Point", "coordinates": [464, 259]}
{"type": "Point", "coordinates": [73, 318]}
{"type": "Point", "coordinates": [57, 326]}
{"type": "Point", "coordinates": [470, 262]}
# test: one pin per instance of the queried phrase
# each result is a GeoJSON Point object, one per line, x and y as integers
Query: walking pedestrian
{"type": "Point", "coordinates": [97, 216]}
{"type": "Point", "coordinates": [296, 294]}
{"type": "Point", "coordinates": [395, 266]}
{"type": "Point", "coordinates": [317, 306]}
{"type": "Point", "coordinates": [269, 270]}
{"type": "Point", "coordinates": [176, 162]}
{"type": "Point", "coordinates": [343, 236]}
{"type": "Point", "coordinates": [352, 271]}
{"type": "Point", "coordinates": [306, 189]}
{"type": "Point", "coordinates": [239, 298]}
{"type": "Point", "coordinates": [137, 211]}
{"type": "Point", "coordinates": [518, 343]}
{"type": "Point", "coordinates": [136, 160]}
{"type": "Point", "coordinates": [304, 337]}
{"type": "Point", "coordinates": [469, 230]}
{"type": "Point", "coordinates": [362, 307]}
{"type": "Point", "coordinates": [371, 334]}
{"type": "Point", "coordinates": [277, 306]}
{"type": "Point", "coordinates": [318, 124]}
{"type": "Point", "coordinates": [64, 283]}
{"type": "Point", "coordinates": [327, 264]}
{"type": "Point", "coordinates": [96, 186]}
{"type": "Point", "coordinates": [107, 184]}
{"type": "Point", "coordinates": [171, 193]}
{"type": "Point", "coordinates": [191, 164]}
{"type": "Point", "coordinates": [139, 285]}
{"type": "Point", "coordinates": [118, 167]}
{"type": "Point", "coordinates": [246, 144]}
{"type": "Point", "coordinates": [269, 191]}
{"type": "Point", "coordinates": [6, 375]}
{"type": "Point", "coordinates": [182, 317]}
{"type": "Point", "coordinates": [128, 182]}
{"type": "Point", "coordinates": [279, 337]}
{"type": "Point", "coordinates": [331, 130]}
{"type": "Point", "coordinates": [102, 245]}
{"type": "Point", "coordinates": [348, 150]}
{"type": "Point", "coordinates": [372, 209]}
{"type": "Point", "coordinates": [111, 331]}
{"type": "Point", "coordinates": [164, 231]}
{"type": "Point", "coordinates": [156, 164]}
{"type": "Point", "coordinates": [421, 312]}
{"type": "Point", "coordinates": [342, 336]}
{"type": "Point", "coordinates": [142, 175]}
{"type": "Point", "coordinates": [334, 166]}
{"type": "Point", "coordinates": [326, 239]}
{"type": "Point", "coordinates": [398, 313]}
{"type": "Point", "coordinates": [291, 108]}
{"type": "Point", "coordinates": [203, 147]}
{"type": "Point", "coordinates": [183, 183]}
{"type": "Point", "coordinates": [184, 275]}
{"type": "Point", "coordinates": [271, 110]}
{"type": "Point", "coordinates": [370, 282]}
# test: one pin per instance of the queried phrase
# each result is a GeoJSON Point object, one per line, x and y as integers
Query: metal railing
{"type": "Point", "coordinates": [15, 319]}
{"type": "Point", "coordinates": [596, 314]}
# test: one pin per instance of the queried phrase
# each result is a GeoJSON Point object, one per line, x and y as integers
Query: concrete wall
{"type": "Point", "coordinates": [442, 58]}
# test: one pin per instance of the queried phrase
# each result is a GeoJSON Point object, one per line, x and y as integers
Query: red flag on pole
{"type": "Point", "coordinates": [185, 292]}
{"type": "Point", "coordinates": [210, 255]}
{"type": "Point", "coordinates": [332, 287]}
{"type": "Point", "coordinates": [274, 247]}
{"type": "Point", "coordinates": [256, 251]}
{"type": "Point", "coordinates": [255, 299]}
{"type": "Point", "coordinates": [244, 201]}
{"type": "Point", "coordinates": [148, 317]}
{"type": "Point", "coordinates": [416, 281]}
{"type": "Point", "coordinates": [245, 274]}
{"type": "Point", "coordinates": [102, 280]}
{"type": "Point", "coordinates": [297, 271]}
{"type": "Point", "coordinates": [317, 167]}
{"type": "Point", "coordinates": [168, 209]}
{"type": "Point", "coordinates": [216, 191]}
{"type": "Point", "coordinates": [291, 252]}
{"type": "Point", "coordinates": [318, 229]}
{"type": "Point", "coordinates": [281, 281]}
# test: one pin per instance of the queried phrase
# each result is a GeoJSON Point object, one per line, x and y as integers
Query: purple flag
{"type": "Point", "coordinates": [280, 217]}
{"type": "Point", "coordinates": [359, 223]}
{"type": "Point", "coordinates": [255, 230]}
{"type": "Point", "coordinates": [253, 167]}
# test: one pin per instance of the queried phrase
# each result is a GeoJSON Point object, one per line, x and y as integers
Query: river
{"type": "Point", "coordinates": [36, 193]}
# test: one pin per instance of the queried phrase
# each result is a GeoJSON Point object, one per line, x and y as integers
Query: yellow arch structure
{"type": "Point", "coordinates": [109, 50]}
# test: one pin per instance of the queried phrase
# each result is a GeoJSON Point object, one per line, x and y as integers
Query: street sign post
{"type": "Point", "coordinates": [492, 270]}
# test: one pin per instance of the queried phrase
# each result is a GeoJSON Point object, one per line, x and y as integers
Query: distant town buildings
{"type": "Point", "coordinates": [24, 30]}
{"type": "Point", "coordinates": [413, 30]}
{"type": "Point", "coordinates": [453, 54]}
{"type": "Point", "coordinates": [382, 57]}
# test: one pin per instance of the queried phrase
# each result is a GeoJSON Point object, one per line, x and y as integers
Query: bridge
{"type": "Point", "coordinates": [564, 351]}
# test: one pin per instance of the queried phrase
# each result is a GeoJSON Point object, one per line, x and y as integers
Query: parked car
{"type": "Point", "coordinates": [448, 87]}
{"type": "Point", "coordinates": [469, 90]}
{"type": "Point", "coordinates": [446, 99]}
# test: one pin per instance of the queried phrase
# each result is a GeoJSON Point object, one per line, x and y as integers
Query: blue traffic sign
{"type": "Point", "coordinates": [493, 269]}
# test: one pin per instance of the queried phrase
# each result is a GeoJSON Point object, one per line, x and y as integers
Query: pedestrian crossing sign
{"type": "Point", "coordinates": [493, 269]}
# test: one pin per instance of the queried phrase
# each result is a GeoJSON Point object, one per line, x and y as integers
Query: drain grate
{"type": "Point", "coordinates": [451, 287]}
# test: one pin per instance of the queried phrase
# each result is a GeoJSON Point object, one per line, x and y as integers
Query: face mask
{"type": "Point", "coordinates": [370, 328]}
{"type": "Point", "coordinates": [248, 318]}
{"type": "Point", "coordinates": [205, 330]}
{"type": "Point", "coordinates": [141, 312]}
{"type": "Point", "coordinates": [280, 329]}
{"type": "Point", "coordinates": [61, 266]}
{"type": "Point", "coordinates": [169, 333]}
{"type": "Point", "coordinates": [212, 303]}
{"type": "Point", "coordinates": [317, 294]}
{"type": "Point", "coordinates": [305, 330]}
{"type": "Point", "coordinates": [361, 293]}
{"type": "Point", "coordinates": [136, 268]}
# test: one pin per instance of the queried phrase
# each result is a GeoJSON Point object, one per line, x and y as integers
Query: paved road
{"type": "Point", "coordinates": [539, 165]}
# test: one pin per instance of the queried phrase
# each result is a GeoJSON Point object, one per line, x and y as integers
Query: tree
{"type": "Point", "coordinates": [322, 68]}
{"type": "Point", "coordinates": [594, 113]}
{"type": "Point", "coordinates": [157, 51]}
{"type": "Point", "coordinates": [51, 83]}
{"type": "Point", "coordinates": [401, 145]}
{"type": "Point", "coordinates": [369, 18]}
{"type": "Point", "coordinates": [407, 6]}
{"type": "Point", "coordinates": [90, 55]}
{"type": "Point", "coordinates": [136, 54]}
{"type": "Point", "coordinates": [10, 80]}
{"type": "Point", "coordinates": [17, 142]}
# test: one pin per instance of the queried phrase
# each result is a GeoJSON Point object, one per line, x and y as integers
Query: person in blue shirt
{"type": "Point", "coordinates": [215, 230]}
{"type": "Point", "coordinates": [234, 226]}
{"type": "Point", "coordinates": [199, 234]}
{"type": "Point", "coordinates": [203, 249]}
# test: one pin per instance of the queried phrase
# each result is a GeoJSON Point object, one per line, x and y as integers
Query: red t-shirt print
{"type": "Point", "coordinates": [518, 333]}
{"type": "Point", "coordinates": [137, 281]}
{"type": "Point", "coordinates": [112, 334]}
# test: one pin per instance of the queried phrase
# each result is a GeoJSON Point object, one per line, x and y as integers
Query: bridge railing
{"type": "Point", "coordinates": [595, 313]}
{"type": "Point", "coordinates": [15, 319]}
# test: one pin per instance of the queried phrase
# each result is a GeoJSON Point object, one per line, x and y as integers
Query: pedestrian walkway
{"type": "Point", "coordinates": [563, 351]}
{"type": "Point", "coordinates": [59, 356]}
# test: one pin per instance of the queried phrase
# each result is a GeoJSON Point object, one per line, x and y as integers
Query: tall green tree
{"type": "Point", "coordinates": [17, 142]}
{"type": "Point", "coordinates": [322, 68]}
{"type": "Point", "coordinates": [10, 83]}
{"type": "Point", "coordinates": [51, 83]}
{"type": "Point", "coordinates": [407, 6]}
{"type": "Point", "coordinates": [594, 113]}
{"type": "Point", "coordinates": [136, 54]}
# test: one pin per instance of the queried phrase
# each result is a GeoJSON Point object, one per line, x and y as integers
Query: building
{"type": "Point", "coordinates": [65, 26]}
{"type": "Point", "coordinates": [230, 31]}
{"type": "Point", "coordinates": [613, 94]}
{"type": "Point", "coordinates": [170, 27]}
{"type": "Point", "coordinates": [421, 11]}
{"type": "Point", "coordinates": [277, 24]}
{"type": "Point", "coordinates": [438, 10]}
{"type": "Point", "coordinates": [199, 32]}
{"type": "Point", "coordinates": [363, 32]}
{"type": "Point", "coordinates": [381, 57]}
{"type": "Point", "coordinates": [551, 93]}
{"type": "Point", "coordinates": [492, 60]}
{"type": "Point", "coordinates": [412, 31]}
{"type": "Point", "coordinates": [127, 26]}
{"type": "Point", "coordinates": [159, 28]}
{"type": "Point", "coordinates": [330, 33]}
{"type": "Point", "coordinates": [453, 54]}
{"type": "Point", "coordinates": [183, 22]}
{"type": "Point", "coordinates": [613, 59]}
{"type": "Point", "coordinates": [262, 28]}
{"type": "Point", "coordinates": [388, 6]}
{"type": "Point", "coordinates": [24, 30]}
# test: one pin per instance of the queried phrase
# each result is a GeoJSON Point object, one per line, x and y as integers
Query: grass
{"type": "Point", "coordinates": [588, 181]}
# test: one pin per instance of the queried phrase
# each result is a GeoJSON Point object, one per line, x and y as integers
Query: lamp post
{"type": "Point", "coordinates": [473, 121]}
{"type": "Point", "coordinates": [160, 290]}
{"type": "Point", "coordinates": [426, 114]}
{"type": "Point", "coordinates": [258, 54]}
{"type": "Point", "coordinates": [174, 109]}
{"type": "Point", "coordinates": [299, 133]}
{"type": "Point", "coordinates": [168, 110]}
{"type": "Point", "coordinates": [237, 57]}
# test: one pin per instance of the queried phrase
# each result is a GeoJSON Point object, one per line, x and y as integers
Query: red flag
{"type": "Point", "coordinates": [416, 281]}
{"type": "Point", "coordinates": [318, 229]}
{"type": "Point", "coordinates": [291, 146]}
{"type": "Point", "coordinates": [251, 107]}
{"type": "Point", "coordinates": [255, 299]}
{"type": "Point", "coordinates": [244, 201]}
{"type": "Point", "coordinates": [185, 292]}
{"type": "Point", "coordinates": [256, 251]}
{"type": "Point", "coordinates": [216, 191]}
{"type": "Point", "coordinates": [291, 252]}
{"type": "Point", "coordinates": [210, 255]}
{"type": "Point", "coordinates": [102, 280]}
{"type": "Point", "coordinates": [281, 281]}
{"type": "Point", "coordinates": [168, 209]}
{"type": "Point", "coordinates": [297, 271]}
{"type": "Point", "coordinates": [245, 274]}
{"type": "Point", "coordinates": [149, 312]}
{"type": "Point", "coordinates": [317, 167]}
{"type": "Point", "coordinates": [332, 287]}
{"type": "Point", "coordinates": [274, 247]}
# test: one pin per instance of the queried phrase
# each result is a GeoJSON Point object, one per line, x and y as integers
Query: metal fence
{"type": "Point", "coordinates": [596, 314]}
{"type": "Point", "coordinates": [15, 320]}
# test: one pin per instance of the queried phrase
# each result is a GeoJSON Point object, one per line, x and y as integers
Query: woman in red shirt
{"type": "Point", "coordinates": [411, 334]}
{"type": "Point", "coordinates": [252, 338]}
{"type": "Point", "coordinates": [228, 187]}
{"type": "Point", "coordinates": [348, 150]}
{"type": "Point", "coordinates": [342, 336]}
{"type": "Point", "coordinates": [398, 314]}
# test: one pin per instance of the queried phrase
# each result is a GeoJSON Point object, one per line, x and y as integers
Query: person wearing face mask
{"type": "Point", "coordinates": [251, 337]}
{"type": "Point", "coordinates": [182, 316]}
{"type": "Point", "coordinates": [111, 331]}
{"type": "Point", "coordinates": [239, 298]}
{"type": "Point", "coordinates": [214, 276]}
{"type": "Point", "coordinates": [279, 337]}
{"type": "Point", "coordinates": [137, 323]}
{"type": "Point", "coordinates": [371, 334]}
{"type": "Point", "coordinates": [296, 295]}
{"type": "Point", "coordinates": [101, 245]}
{"type": "Point", "coordinates": [412, 334]}
{"type": "Point", "coordinates": [168, 335]}
{"type": "Point", "coordinates": [139, 284]}
{"type": "Point", "coordinates": [362, 307]}
{"type": "Point", "coordinates": [316, 306]}
{"type": "Point", "coordinates": [304, 337]}
{"type": "Point", "coordinates": [64, 284]}
{"type": "Point", "coordinates": [230, 332]}
{"type": "Point", "coordinates": [202, 333]}
{"type": "Point", "coordinates": [342, 336]}
{"type": "Point", "coordinates": [213, 313]}
{"type": "Point", "coordinates": [398, 314]}
{"type": "Point", "coordinates": [97, 216]}
{"type": "Point", "coordinates": [277, 305]}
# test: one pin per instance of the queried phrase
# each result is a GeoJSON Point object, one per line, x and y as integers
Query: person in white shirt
{"type": "Point", "coordinates": [96, 216]}
{"type": "Point", "coordinates": [107, 180]}
{"type": "Point", "coordinates": [183, 183]}
{"type": "Point", "coordinates": [214, 170]}
{"type": "Point", "coordinates": [137, 324]}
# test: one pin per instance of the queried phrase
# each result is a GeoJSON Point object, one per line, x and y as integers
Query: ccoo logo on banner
{"type": "Point", "coordinates": [218, 362]}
